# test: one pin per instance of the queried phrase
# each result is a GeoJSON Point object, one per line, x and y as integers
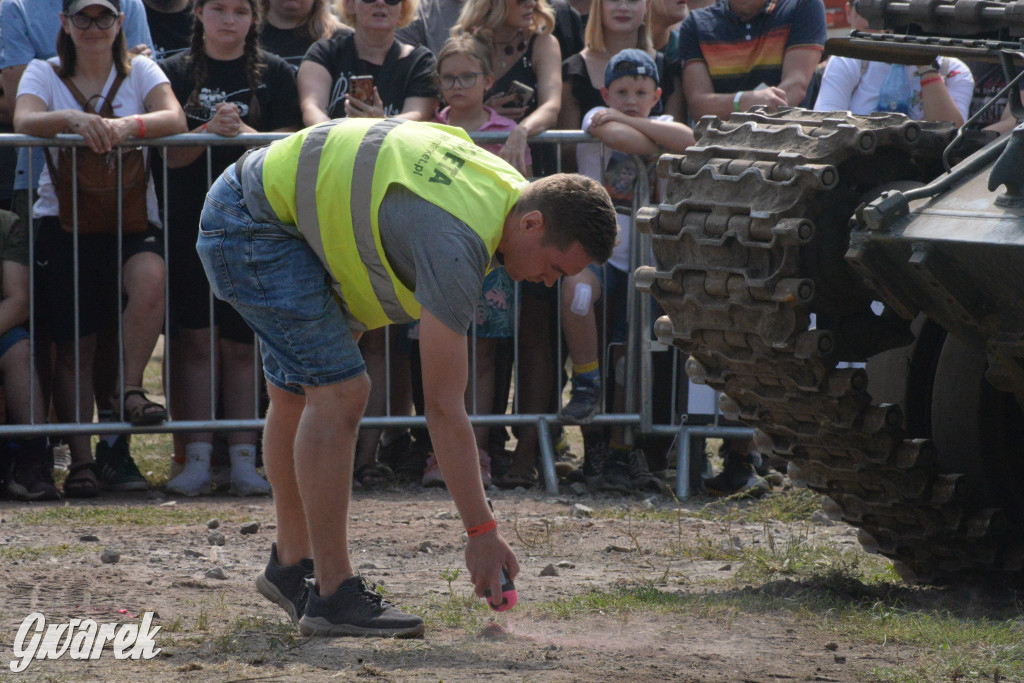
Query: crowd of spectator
{"type": "Point", "coordinates": [632, 73]}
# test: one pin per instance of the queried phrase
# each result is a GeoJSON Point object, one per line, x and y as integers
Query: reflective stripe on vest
{"type": "Point", "coordinates": [359, 200]}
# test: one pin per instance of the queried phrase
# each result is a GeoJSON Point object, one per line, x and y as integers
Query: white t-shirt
{"type": "Point", "coordinates": [42, 81]}
{"type": "Point", "coordinates": [847, 86]}
{"type": "Point", "coordinates": [618, 172]}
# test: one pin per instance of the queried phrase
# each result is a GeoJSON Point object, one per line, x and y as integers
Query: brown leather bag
{"type": "Point", "coordinates": [97, 176]}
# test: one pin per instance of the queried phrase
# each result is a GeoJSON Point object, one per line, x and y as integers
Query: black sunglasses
{"type": "Point", "coordinates": [390, 3]}
{"type": "Point", "coordinates": [83, 21]}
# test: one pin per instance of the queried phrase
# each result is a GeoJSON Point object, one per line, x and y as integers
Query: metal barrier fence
{"type": "Point", "coordinates": [637, 417]}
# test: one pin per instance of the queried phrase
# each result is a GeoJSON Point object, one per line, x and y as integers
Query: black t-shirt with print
{"type": "Point", "coordinates": [409, 76]}
{"type": "Point", "coordinates": [278, 108]}
{"type": "Point", "coordinates": [171, 31]}
{"type": "Point", "coordinates": [290, 44]}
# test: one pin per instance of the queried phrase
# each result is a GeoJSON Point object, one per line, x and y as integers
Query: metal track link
{"type": "Point", "coordinates": [730, 240]}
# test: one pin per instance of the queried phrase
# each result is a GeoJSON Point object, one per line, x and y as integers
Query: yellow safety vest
{"type": "Point", "coordinates": [329, 181]}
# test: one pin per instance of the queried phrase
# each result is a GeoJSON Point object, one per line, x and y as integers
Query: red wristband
{"type": "Point", "coordinates": [142, 126]}
{"type": "Point", "coordinates": [929, 81]}
{"type": "Point", "coordinates": [203, 127]}
{"type": "Point", "coordinates": [482, 528]}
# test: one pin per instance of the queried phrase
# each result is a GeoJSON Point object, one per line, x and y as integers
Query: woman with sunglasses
{"type": "Point", "coordinates": [523, 50]}
{"type": "Point", "coordinates": [403, 76]}
{"type": "Point", "coordinates": [91, 55]}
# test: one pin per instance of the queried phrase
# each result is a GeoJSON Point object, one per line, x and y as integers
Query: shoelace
{"type": "Point", "coordinates": [369, 593]}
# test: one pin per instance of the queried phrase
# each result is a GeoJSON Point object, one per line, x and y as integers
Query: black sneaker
{"type": "Point", "coordinates": [286, 586]}
{"type": "Point", "coordinates": [594, 456]}
{"type": "Point", "coordinates": [355, 609]}
{"type": "Point", "coordinates": [583, 404]}
{"type": "Point", "coordinates": [117, 469]}
{"type": "Point", "coordinates": [640, 477]}
{"type": "Point", "coordinates": [737, 476]}
{"type": "Point", "coordinates": [29, 476]}
{"type": "Point", "coordinates": [616, 472]}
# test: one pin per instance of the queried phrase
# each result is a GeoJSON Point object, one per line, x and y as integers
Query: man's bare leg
{"type": "Point", "coordinates": [283, 417]}
{"type": "Point", "coordinates": [323, 454]}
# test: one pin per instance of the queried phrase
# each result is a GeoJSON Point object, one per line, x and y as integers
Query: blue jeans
{"type": "Point", "coordinates": [278, 285]}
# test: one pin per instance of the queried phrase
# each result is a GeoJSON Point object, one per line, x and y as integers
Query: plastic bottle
{"type": "Point", "coordinates": [894, 95]}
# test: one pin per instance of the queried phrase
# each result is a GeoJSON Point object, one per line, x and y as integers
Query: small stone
{"type": "Point", "coordinates": [89, 538]}
{"type": "Point", "coordinates": [250, 528]}
{"type": "Point", "coordinates": [822, 518]}
{"type": "Point", "coordinates": [193, 553]}
{"type": "Point", "coordinates": [213, 523]}
{"type": "Point", "coordinates": [215, 537]}
{"type": "Point", "coordinates": [840, 659]}
{"type": "Point", "coordinates": [649, 503]}
{"type": "Point", "coordinates": [368, 565]}
{"type": "Point", "coordinates": [618, 549]}
{"type": "Point", "coordinates": [831, 647]}
{"type": "Point", "coordinates": [549, 571]}
{"type": "Point", "coordinates": [445, 514]}
{"type": "Point", "coordinates": [109, 556]}
{"type": "Point", "coordinates": [216, 573]}
{"type": "Point", "coordinates": [578, 488]}
{"type": "Point", "coordinates": [168, 504]}
{"type": "Point", "coordinates": [427, 547]}
{"type": "Point", "coordinates": [725, 568]}
{"type": "Point", "coordinates": [580, 510]}
{"type": "Point", "coordinates": [566, 564]}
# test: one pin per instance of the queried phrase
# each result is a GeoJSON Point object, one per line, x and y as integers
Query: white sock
{"type": "Point", "coordinates": [245, 480]}
{"type": "Point", "coordinates": [196, 475]}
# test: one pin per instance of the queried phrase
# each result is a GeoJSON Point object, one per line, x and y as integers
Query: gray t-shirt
{"type": "Point", "coordinates": [436, 255]}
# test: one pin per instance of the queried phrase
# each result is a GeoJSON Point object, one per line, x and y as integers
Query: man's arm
{"type": "Point", "coordinates": [798, 66]}
{"type": "Point", "coordinates": [444, 354]}
{"type": "Point", "coordinates": [704, 101]}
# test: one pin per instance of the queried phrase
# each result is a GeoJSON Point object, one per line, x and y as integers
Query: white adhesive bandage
{"type": "Point", "coordinates": [581, 299]}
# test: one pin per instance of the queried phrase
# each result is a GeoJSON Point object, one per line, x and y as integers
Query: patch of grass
{"type": "Point", "coordinates": [464, 612]}
{"type": "Point", "coordinates": [31, 553]}
{"type": "Point", "coordinates": [118, 515]}
{"type": "Point", "coordinates": [795, 505]}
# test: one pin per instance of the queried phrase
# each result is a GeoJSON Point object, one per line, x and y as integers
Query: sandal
{"type": "Point", "coordinates": [81, 481]}
{"type": "Point", "coordinates": [145, 413]}
{"type": "Point", "coordinates": [372, 476]}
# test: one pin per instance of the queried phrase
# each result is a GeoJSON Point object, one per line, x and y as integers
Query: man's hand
{"type": "Point", "coordinates": [140, 49]}
{"type": "Point", "coordinates": [772, 97]}
{"type": "Point", "coordinates": [486, 554]}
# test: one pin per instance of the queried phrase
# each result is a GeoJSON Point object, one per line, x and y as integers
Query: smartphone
{"type": "Point", "coordinates": [361, 88]}
{"type": "Point", "coordinates": [521, 92]}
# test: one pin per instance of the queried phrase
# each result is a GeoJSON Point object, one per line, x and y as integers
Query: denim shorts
{"type": "Point", "coordinates": [278, 285]}
{"type": "Point", "coordinates": [12, 337]}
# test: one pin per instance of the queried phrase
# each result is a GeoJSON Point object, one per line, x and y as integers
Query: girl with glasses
{"type": "Point", "coordinates": [523, 49]}
{"type": "Point", "coordinates": [228, 86]}
{"type": "Point", "coordinates": [92, 59]}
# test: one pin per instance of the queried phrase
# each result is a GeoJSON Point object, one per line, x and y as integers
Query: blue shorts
{"type": "Point", "coordinates": [280, 288]}
{"type": "Point", "coordinates": [12, 337]}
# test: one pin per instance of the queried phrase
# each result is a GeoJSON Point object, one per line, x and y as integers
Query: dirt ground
{"type": "Point", "coordinates": [221, 629]}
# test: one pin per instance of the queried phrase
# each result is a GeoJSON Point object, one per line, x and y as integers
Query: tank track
{"type": "Point", "coordinates": [744, 244]}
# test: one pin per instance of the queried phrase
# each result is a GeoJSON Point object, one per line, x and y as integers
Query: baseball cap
{"type": "Point", "coordinates": [630, 62]}
{"type": "Point", "coordinates": [76, 6]}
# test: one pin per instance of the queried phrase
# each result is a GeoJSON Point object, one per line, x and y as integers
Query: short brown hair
{"type": "Point", "coordinates": [466, 44]}
{"type": "Point", "coordinates": [576, 209]}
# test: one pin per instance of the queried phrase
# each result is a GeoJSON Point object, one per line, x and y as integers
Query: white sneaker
{"type": "Point", "coordinates": [195, 478]}
{"type": "Point", "coordinates": [245, 480]}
